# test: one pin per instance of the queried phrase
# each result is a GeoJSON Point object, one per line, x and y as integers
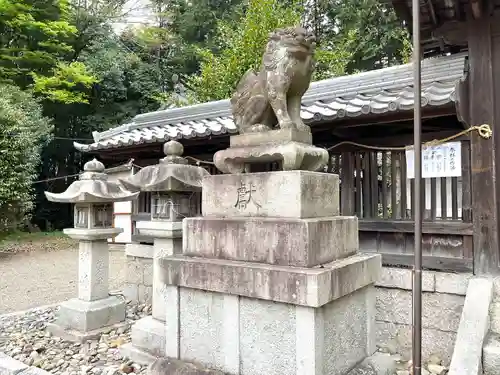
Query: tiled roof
{"type": "Point", "coordinates": [374, 92]}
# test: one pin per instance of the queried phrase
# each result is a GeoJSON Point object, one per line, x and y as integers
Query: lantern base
{"type": "Point", "coordinates": [79, 321]}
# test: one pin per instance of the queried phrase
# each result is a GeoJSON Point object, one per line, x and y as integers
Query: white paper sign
{"type": "Point", "coordinates": [437, 161]}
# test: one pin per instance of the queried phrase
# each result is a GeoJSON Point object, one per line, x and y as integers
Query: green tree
{"type": "Point", "coordinates": [35, 50]}
{"type": "Point", "coordinates": [195, 22]}
{"type": "Point", "coordinates": [370, 30]}
{"type": "Point", "coordinates": [164, 52]}
{"type": "Point", "coordinates": [126, 86]}
{"type": "Point", "coordinates": [181, 27]}
{"type": "Point", "coordinates": [242, 46]}
{"type": "Point", "coordinates": [23, 132]}
{"type": "Point", "coordinates": [243, 43]}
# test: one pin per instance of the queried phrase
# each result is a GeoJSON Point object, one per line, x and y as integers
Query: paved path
{"type": "Point", "coordinates": [42, 278]}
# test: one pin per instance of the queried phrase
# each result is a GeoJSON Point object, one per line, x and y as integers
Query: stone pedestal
{"type": "Point", "coordinates": [291, 147]}
{"type": "Point", "coordinates": [149, 334]}
{"type": "Point", "coordinates": [83, 318]}
{"type": "Point", "coordinates": [270, 281]}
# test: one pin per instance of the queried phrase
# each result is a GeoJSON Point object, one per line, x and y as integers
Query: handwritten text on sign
{"type": "Point", "coordinates": [437, 161]}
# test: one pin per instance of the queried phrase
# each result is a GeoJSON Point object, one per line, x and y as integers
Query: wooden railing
{"type": "Point", "coordinates": [375, 188]}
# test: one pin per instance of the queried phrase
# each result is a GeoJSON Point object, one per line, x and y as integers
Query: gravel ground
{"type": "Point", "coordinates": [24, 338]}
{"type": "Point", "coordinates": [42, 278]}
{"type": "Point", "coordinates": [395, 364]}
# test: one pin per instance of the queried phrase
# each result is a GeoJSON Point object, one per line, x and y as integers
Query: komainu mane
{"type": "Point", "coordinates": [272, 97]}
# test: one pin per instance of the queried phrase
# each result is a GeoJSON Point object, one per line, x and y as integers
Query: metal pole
{"type": "Point", "coordinates": [417, 134]}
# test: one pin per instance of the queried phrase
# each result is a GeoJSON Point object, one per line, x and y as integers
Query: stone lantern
{"type": "Point", "coordinates": [176, 194]}
{"type": "Point", "coordinates": [85, 317]}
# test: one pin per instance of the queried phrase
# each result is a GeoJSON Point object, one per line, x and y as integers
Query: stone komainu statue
{"type": "Point", "coordinates": [273, 95]}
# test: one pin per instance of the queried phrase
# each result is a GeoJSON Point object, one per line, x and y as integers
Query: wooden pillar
{"type": "Point", "coordinates": [484, 108]}
{"type": "Point", "coordinates": [347, 178]}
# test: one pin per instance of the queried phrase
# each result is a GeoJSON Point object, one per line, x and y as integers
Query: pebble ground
{"type": "Point", "coordinates": [25, 338]}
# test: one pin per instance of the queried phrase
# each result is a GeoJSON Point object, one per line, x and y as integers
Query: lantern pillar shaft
{"type": "Point", "coordinates": [94, 310]}
{"type": "Point", "coordinates": [93, 270]}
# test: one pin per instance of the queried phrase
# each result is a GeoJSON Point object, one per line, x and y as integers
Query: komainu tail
{"type": "Point", "coordinates": [241, 97]}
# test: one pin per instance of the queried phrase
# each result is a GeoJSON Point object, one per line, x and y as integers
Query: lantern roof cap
{"type": "Point", "coordinates": [93, 186]}
{"type": "Point", "coordinates": [172, 173]}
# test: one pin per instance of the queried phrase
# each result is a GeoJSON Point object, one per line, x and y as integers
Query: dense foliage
{"type": "Point", "coordinates": [243, 45]}
{"type": "Point", "coordinates": [23, 132]}
{"type": "Point", "coordinates": [379, 38]}
{"type": "Point", "coordinates": [35, 39]}
{"type": "Point", "coordinates": [62, 63]}
{"type": "Point", "coordinates": [351, 36]}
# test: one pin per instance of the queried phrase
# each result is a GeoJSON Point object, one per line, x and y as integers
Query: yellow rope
{"type": "Point", "coordinates": [484, 131]}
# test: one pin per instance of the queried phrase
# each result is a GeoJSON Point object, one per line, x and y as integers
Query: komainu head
{"type": "Point", "coordinates": [294, 37]}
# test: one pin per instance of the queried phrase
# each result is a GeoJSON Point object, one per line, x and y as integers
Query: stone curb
{"type": "Point", "coordinates": [468, 352]}
{"type": "Point", "coordinates": [432, 281]}
{"type": "Point", "coordinates": [11, 366]}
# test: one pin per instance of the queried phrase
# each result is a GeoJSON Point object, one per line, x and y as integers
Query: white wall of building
{"type": "Point", "coordinates": [122, 212]}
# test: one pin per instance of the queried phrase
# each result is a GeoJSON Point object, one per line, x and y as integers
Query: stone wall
{"type": "Point", "coordinates": [442, 303]}
{"type": "Point", "coordinates": [138, 286]}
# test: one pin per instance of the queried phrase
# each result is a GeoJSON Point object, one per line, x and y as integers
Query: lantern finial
{"type": "Point", "coordinates": [94, 166]}
{"type": "Point", "coordinates": [173, 148]}
{"type": "Point", "coordinates": [173, 151]}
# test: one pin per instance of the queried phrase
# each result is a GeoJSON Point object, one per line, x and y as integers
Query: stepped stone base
{"type": "Point", "coordinates": [287, 242]}
{"type": "Point", "coordinates": [269, 281]}
{"type": "Point", "coordinates": [313, 287]}
{"type": "Point", "coordinates": [252, 319]}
